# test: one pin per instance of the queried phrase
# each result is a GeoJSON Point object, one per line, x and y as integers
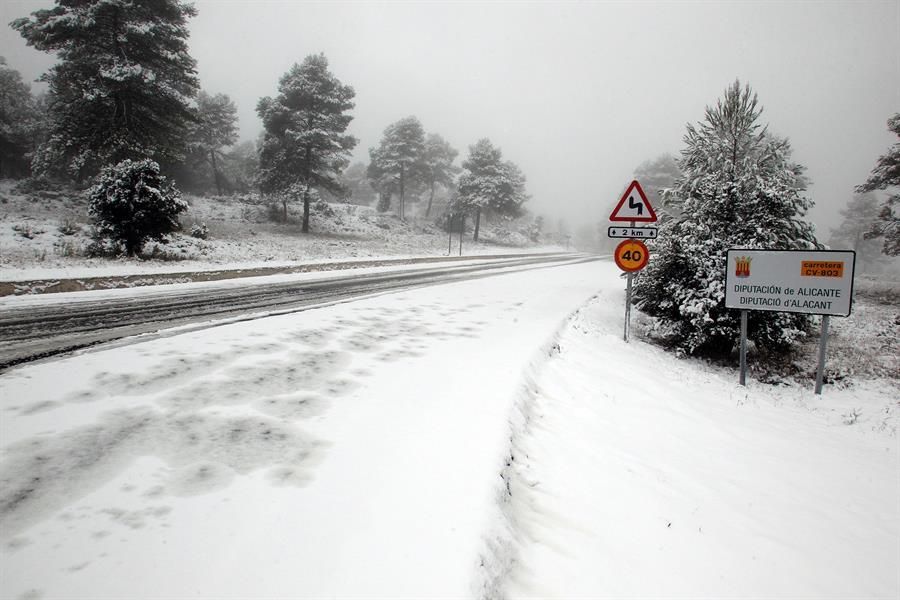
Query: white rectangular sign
{"type": "Point", "coordinates": [817, 282]}
{"type": "Point", "coordinates": [637, 233]}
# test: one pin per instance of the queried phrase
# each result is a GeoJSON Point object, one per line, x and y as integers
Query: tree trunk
{"type": "Point", "coordinates": [212, 155]}
{"type": "Point", "coordinates": [402, 207]}
{"type": "Point", "coordinates": [477, 224]}
{"type": "Point", "coordinates": [305, 210]}
{"type": "Point", "coordinates": [430, 200]}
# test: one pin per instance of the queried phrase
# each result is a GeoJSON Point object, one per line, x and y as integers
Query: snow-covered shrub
{"type": "Point", "coordinates": [132, 203]}
{"type": "Point", "coordinates": [200, 231]}
{"type": "Point", "coordinates": [68, 227]}
{"type": "Point", "coordinates": [322, 208]}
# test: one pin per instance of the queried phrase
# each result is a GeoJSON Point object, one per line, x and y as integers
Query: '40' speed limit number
{"type": "Point", "coordinates": [631, 256]}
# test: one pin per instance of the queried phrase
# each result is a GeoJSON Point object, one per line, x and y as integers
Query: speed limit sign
{"type": "Point", "coordinates": [631, 255]}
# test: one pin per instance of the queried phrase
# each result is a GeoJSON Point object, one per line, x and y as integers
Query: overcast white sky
{"type": "Point", "coordinates": [577, 94]}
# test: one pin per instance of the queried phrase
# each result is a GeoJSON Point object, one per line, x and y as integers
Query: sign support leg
{"type": "Point", "coordinates": [743, 347]}
{"type": "Point", "coordinates": [628, 306]}
{"type": "Point", "coordinates": [823, 340]}
{"type": "Point", "coordinates": [462, 229]}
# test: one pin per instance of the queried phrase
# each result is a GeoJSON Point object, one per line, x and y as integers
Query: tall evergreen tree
{"type": "Point", "coordinates": [437, 165]}
{"type": "Point", "coordinates": [488, 184]}
{"type": "Point", "coordinates": [396, 165]}
{"type": "Point", "coordinates": [215, 129]}
{"type": "Point", "coordinates": [739, 189]}
{"type": "Point", "coordinates": [123, 86]}
{"type": "Point", "coordinates": [305, 147]}
{"type": "Point", "coordinates": [886, 174]}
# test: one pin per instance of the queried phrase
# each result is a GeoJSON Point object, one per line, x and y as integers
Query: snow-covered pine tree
{"type": "Point", "coordinates": [739, 189]}
{"type": "Point", "coordinates": [396, 166]}
{"type": "Point", "coordinates": [132, 203]}
{"type": "Point", "coordinates": [886, 174]}
{"type": "Point", "coordinates": [123, 84]}
{"type": "Point", "coordinates": [304, 145]}
{"type": "Point", "coordinates": [488, 184]}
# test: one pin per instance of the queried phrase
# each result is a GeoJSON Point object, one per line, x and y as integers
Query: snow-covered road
{"type": "Point", "coordinates": [349, 451]}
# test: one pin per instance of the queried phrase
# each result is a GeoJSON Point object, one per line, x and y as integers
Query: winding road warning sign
{"type": "Point", "coordinates": [631, 256]}
{"type": "Point", "coordinates": [634, 206]}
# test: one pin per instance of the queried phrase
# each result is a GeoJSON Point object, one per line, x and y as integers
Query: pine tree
{"type": "Point", "coordinates": [396, 166]}
{"type": "Point", "coordinates": [123, 86]}
{"type": "Point", "coordinates": [859, 217]}
{"type": "Point", "coordinates": [886, 174]}
{"type": "Point", "coordinates": [304, 146]}
{"type": "Point", "coordinates": [215, 129]}
{"type": "Point", "coordinates": [739, 189]}
{"type": "Point", "coordinates": [21, 123]}
{"type": "Point", "coordinates": [488, 184]}
{"type": "Point", "coordinates": [438, 168]}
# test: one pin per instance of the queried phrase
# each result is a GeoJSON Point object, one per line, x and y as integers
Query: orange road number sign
{"type": "Point", "coordinates": [631, 256]}
{"type": "Point", "coordinates": [822, 268]}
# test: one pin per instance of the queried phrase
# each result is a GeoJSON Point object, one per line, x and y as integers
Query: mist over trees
{"type": "Point", "coordinates": [437, 166]}
{"type": "Point", "coordinates": [123, 84]}
{"type": "Point", "coordinates": [886, 175]}
{"type": "Point", "coordinates": [215, 128]}
{"type": "Point", "coordinates": [304, 146]}
{"type": "Point", "coordinates": [739, 189]}
{"type": "Point", "coordinates": [859, 217]}
{"type": "Point", "coordinates": [655, 176]}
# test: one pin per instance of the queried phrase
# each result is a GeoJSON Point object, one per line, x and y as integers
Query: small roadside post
{"type": "Point", "coordinates": [813, 282]}
{"type": "Point", "coordinates": [631, 255]}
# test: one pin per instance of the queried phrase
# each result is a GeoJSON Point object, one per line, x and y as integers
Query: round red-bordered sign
{"type": "Point", "coordinates": [631, 255]}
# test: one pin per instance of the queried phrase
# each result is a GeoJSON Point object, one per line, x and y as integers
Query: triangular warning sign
{"type": "Point", "coordinates": [634, 206]}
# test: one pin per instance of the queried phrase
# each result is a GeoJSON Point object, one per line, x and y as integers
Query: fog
{"type": "Point", "coordinates": [577, 94]}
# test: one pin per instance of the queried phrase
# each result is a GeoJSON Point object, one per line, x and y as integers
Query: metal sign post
{"type": "Point", "coordinates": [820, 371]}
{"type": "Point", "coordinates": [628, 306]}
{"type": "Point", "coordinates": [743, 347]}
{"type": "Point", "coordinates": [630, 256]}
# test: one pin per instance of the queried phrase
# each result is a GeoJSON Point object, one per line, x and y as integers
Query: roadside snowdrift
{"type": "Point", "coordinates": [636, 474]}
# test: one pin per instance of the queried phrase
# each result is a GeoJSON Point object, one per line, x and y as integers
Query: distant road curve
{"type": "Point", "coordinates": [30, 333]}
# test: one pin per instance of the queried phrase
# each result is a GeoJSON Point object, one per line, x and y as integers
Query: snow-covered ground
{"type": "Point", "coordinates": [462, 440]}
{"type": "Point", "coordinates": [645, 476]}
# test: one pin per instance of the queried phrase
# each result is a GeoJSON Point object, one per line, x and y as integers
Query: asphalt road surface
{"type": "Point", "coordinates": [35, 332]}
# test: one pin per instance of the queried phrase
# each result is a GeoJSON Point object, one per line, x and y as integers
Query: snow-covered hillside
{"type": "Point", "coordinates": [46, 234]}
